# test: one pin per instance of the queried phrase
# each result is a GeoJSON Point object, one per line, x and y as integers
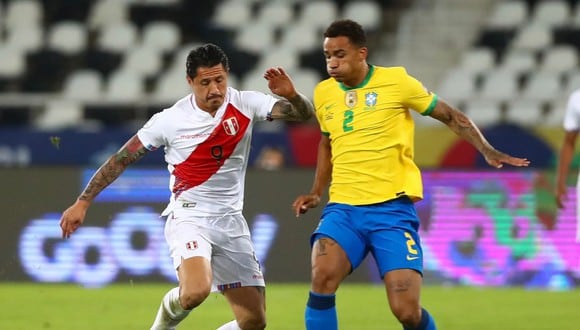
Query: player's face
{"type": "Point", "coordinates": [345, 62]}
{"type": "Point", "coordinates": [209, 87]}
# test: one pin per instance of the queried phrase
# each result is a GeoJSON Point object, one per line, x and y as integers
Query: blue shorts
{"type": "Point", "coordinates": [388, 230]}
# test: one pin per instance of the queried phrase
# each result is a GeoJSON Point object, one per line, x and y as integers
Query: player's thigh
{"type": "Point", "coordinates": [195, 275]}
{"type": "Point", "coordinates": [403, 288]}
{"type": "Point", "coordinates": [191, 254]}
{"type": "Point", "coordinates": [330, 266]}
{"type": "Point", "coordinates": [247, 303]}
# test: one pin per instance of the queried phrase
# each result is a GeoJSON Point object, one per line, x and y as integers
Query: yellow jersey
{"type": "Point", "coordinates": [371, 134]}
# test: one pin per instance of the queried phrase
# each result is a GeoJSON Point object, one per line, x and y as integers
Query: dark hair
{"type": "Point", "coordinates": [347, 28]}
{"type": "Point", "coordinates": [206, 56]}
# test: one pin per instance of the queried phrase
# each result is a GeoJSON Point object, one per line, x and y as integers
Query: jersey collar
{"type": "Point", "coordinates": [364, 82]}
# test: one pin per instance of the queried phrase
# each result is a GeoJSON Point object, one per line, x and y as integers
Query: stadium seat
{"type": "Point", "coordinates": [559, 59]}
{"type": "Point", "coordinates": [59, 114]}
{"type": "Point", "coordinates": [508, 14]}
{"type": "Point", "coordinates": [525, 112]}
{"type": "Point", "coordinates": [484, 112]}
{"type": "Point", "coordinates": [144, 61]}
{"type": "Point", "coordinates": [301, 37]}
{"type": "Point", "coordinates": [277, 14]}
{"type": "Point", "coordinates": [318, 13]}
{"type": "Point", "coordinates": [25, 38]}
{"type": "Point", "coordinates": [533, 37]}
{"type": "Point", "coordinates": [499, 86]}
{"type": "Point", "coordinates": [457, 86]}
{"type": "Point", "coordinates": [551, 13]}
{"type": "Point", "coordinates": [23, 13]}
{"type": "Point", "coordinates": [163, 36]}
{"type": "Point", "coordinates": [83, 85]}
{"type": "Point", "coordinates": [254, 80]}
{"type": "Point", "coordinates": [13, 62]}
{"type": "Point", "coordinates": [306, 80]}
{"type": "Point", "coordinates": [555, 117]}
{"type": "Point", "coordinates": [107, 12]}
{"type": "Point", "coordinates": [170, 87]}
{"type": "Point", "coordinates": [279, 56]}
{"type": "Point", "coordinates": [117, 37]}
{"type": "Point", "coordinates": [68, 37]}
{"type": "Point", "coordinates": [367, 13]}
{"type": "Point", "coordinates": [255, 37]}
{"type": "Point", "coordinates": [518, 62]}
{"type": "Point", "coordinates": [541, 86]}
{"type": "Point", "coordinates": [572, 83]}
{"type": "Point", "coordinates": [232, 14]}
{"type": "Point", "coordinates": [124, 87]}
{"type": "Point", "coordinates": [477, 60]}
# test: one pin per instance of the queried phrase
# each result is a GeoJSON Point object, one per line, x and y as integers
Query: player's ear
{"type": "Point", "coordinates": [363, 53]}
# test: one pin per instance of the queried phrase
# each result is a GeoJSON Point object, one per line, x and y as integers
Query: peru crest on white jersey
{"type": "Point", "coordinates": [207, 156]}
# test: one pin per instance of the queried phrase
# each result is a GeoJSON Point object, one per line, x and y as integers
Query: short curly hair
{"type": "Point", "coordinates": [207, 55]}
{"type": "Point", "coordinates": [347, 28]}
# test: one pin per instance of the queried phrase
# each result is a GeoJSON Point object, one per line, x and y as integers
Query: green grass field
{"type": "Point", "coordinates": [360, 307]}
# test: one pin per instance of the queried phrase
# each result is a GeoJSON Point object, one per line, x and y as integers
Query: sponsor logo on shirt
{"type": "Point", "coordinates": [194, 136]}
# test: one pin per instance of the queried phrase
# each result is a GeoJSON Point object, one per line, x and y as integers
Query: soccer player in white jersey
{"type": "Point", "coordinates": [571, 128]}
{"type": "Point", "coordinates": [206, 137]}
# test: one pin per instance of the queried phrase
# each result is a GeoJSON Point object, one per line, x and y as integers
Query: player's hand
{"type": "Point", "coordinates": [497, 159]}
{"type": "Point", "coordinates": [279, 82]}
{"type": "Point", "coordinates": [560, 196]}
{"type": "Point", "coordinates": [305, 202]}
{"type": "Point", "coordinates": [72, 218]}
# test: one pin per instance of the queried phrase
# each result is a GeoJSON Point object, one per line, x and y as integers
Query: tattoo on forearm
{"type": "Point", "coordinates": [112, 169]}
{"type": "Point", "coordinates": [299, 108]}
{"type": "Point", "coordinates": [464, 127]}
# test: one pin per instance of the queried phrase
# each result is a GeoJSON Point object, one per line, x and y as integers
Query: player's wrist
{"type": "Point", "coordinates": [82, 202]}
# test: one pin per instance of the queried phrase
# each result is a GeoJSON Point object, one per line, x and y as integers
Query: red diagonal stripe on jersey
{"type": "Point", "coordinates": [204, 161]}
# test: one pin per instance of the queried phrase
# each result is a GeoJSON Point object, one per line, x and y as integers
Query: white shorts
{"type": "Point", "coordinates": [223, 240]}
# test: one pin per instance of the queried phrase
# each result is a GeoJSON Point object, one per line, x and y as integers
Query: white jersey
{"type": "Point", "coordinates": [207, 156]}
{"type": "Point", "coordinates": [572, 117]}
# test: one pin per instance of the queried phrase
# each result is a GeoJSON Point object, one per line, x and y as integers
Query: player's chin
{"type": "Point", "coordinates": [216, 101]}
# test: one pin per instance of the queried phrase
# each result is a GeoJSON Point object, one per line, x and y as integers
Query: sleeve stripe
{"type": "Point", "coordinates": [325, 133]}
{"type": "Point", "coordinates": [431, 106]}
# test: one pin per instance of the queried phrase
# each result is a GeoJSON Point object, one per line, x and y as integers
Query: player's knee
{"type": "Point", "coordinates": [408, 315]}
{"type": "Point", "coordinates": [191, 298]}
{"type": "Point", "coordinates": [253, 322]}
{"type": "Point", "coordinates": [324, 280]}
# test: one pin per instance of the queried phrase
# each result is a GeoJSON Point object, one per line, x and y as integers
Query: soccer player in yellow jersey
{"type": "Point", "coordinates": [366, 155]}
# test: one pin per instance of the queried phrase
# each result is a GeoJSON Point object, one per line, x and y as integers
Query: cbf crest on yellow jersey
{"type": "Point", "coordinates": [371, 132]}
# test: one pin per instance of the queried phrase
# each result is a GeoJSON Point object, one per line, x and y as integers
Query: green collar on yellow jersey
{"type": "Point", "coordinates": [364, 82]}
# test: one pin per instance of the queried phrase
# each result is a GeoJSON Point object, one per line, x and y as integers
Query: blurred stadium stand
{"type": "Point", "coordinates": [119, 55]}
{"type": "Point", "coordinates": [97, 64]}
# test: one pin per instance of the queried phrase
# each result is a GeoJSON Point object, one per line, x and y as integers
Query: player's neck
{"type": "Point", "coordinates": [360, 77]}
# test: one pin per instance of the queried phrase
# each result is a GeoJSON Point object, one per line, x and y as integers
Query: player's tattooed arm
{"type": "Point", "coordinates": [296, 108]}
{"type": "Point", "coordinates": [459, 123]}
{"type": "Point", "coordinates": [132, 151]}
